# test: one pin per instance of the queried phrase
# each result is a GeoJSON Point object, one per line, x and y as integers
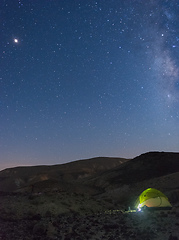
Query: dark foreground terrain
{"type": "Point", "coordinates": [89, 199]}
{"type": "Point", "coordinates": [107, 225]}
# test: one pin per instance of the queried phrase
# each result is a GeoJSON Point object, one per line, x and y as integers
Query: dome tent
{"type": "Point", "coordinates": [152, 199]}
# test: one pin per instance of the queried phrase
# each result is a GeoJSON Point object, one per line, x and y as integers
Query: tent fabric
{"type": "Point", "coordinates": [152, 198]}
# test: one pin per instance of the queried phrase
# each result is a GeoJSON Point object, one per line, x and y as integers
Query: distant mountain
{"type": "Point", "coordinates": [144, 167]}
{"type": "Point", "coordinates": [118, 178]}
{"type": "Point", "coordinates": [56, 176]}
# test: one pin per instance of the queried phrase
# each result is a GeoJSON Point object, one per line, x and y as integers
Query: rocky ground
{"type": "Point", "coordinates": [41, 217]}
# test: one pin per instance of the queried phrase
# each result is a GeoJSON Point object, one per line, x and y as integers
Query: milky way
{"type": "Point", "coordinates": [80, 79]}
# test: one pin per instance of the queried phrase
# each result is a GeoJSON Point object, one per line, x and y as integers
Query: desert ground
{"type": "Point", "coordinates": [63, 216]}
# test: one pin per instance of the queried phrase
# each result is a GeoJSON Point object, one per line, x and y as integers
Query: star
{"type": "Point", "coordinates": [16, 40]}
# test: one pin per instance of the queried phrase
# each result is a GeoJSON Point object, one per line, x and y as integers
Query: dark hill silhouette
{"type": "Point", "coordinates": [94, 175]}
{"type": "Point", "coordinates": [144, 167]}
{"type": "Point", "coordinates": [147, 166]}
{"type": "Point", "coordinates": [12, 179]}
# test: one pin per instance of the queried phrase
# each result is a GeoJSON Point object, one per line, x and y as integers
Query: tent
{"type": "Point", "coordinates": [152, 199]}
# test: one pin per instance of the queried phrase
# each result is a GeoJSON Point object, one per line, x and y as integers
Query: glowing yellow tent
{"type": "Point", "coordinates": [152, 198]}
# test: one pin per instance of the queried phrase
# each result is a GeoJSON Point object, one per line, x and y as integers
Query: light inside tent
{"type": "Point", "coordinates": [139, 207]}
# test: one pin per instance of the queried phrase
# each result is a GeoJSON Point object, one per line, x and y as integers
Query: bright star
{"type": "Point", "coordinates": [16, 40]}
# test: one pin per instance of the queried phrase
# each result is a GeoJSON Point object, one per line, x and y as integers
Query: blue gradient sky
{"type": "Point", "coordinates": [82, 78]}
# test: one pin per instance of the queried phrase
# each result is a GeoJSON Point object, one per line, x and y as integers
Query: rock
{"type": "Point", "coordinates": [35, 217]}
{"type": "Point", "coordinates": [51, 230]}
{"type": "Point", "coordinates": [39, 229]}
{"type": "Point", "coordinates": [111, 226]}
{"type": "Point", "coordinates": [171, 237]}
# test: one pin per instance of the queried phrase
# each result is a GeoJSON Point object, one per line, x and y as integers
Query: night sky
{"type": "Point", "coordinates": [84, 78]}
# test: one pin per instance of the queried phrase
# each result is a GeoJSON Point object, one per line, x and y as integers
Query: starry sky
{"type": "Point", "coordinates": [85, 78]}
